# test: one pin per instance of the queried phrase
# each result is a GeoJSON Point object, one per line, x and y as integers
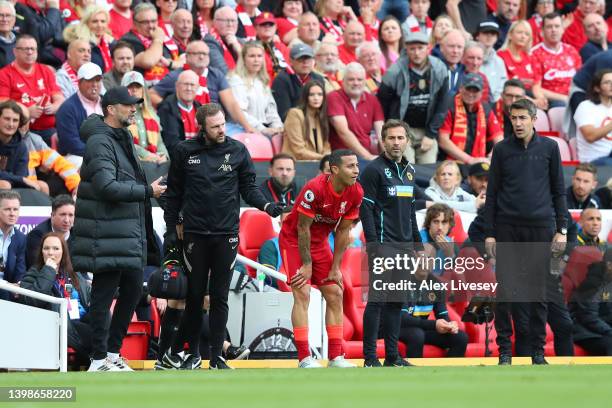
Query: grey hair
{"type": "Point", "coordinates": [142, 7]}
{"type": "Point", "coordinates": [8, 5]}
{"type": "Point", "coordinates": [367, 44]}
{"type": "Point", "coordinates": [473, 44]}
{"type": "Point", "coordinates": [354, 67]}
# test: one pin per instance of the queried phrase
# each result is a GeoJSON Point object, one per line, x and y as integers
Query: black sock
{"type": "Point", "coordinates": [169, 327]}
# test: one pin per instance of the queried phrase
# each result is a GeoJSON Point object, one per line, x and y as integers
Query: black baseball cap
{"type": "Point", "coordinates": [488, 27]}
{"type": "Point", "coordinates": [479, 169]}
{"type": "Point", "coordinates": [119, 95]}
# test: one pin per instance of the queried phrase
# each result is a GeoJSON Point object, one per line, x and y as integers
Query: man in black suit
{"type": "Point", "coordinates": [62, 219]}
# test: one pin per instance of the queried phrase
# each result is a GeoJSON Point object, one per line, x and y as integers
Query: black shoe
{"type": "Point", "coordinates": [160, 365]}
{"type": "Point", "coordinates": [371, 362]}
{"type": "Point", "coordinates": [173, 361]}
{"type": "Point", "coordinates": [538, 359]}
{"type": "Point", "coordinates": [192, 362]}
{"type": "Point", "coordinates": [237, 353]}
{"type": "Point", "coordinates": [219, 364]}
{"type": "Point", "coordinates": [398, 362]}
{"type": "Point", "coordinates": [505, 359]}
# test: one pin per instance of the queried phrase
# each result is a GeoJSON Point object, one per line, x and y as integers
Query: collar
{"type": "Point", "coordinates": [330, 187]}
{"type": "Point", "coordinates": [184, 107]}
{"type": "Point", "coordinates": [587, 240]}
{"type": "Point", "coordinates": [10, 40]}
{"type": "Point", "coordinates": [535, 139]}
{"type": "Point", "coordinates": [10, 234]}
{"type": "Point", "coordinates": [361, 98]}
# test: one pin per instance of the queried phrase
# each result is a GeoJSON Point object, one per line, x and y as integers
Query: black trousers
{"type": "Point", "coordinates": [523, 273]}
{"type": "Point", "coordinates": [415, 338]}
{"type": "Point", "coordinates": [601, 346]}
{"type": "Point", "coordinates": [561, 325]}
{"type": "Point", "coordinates": [103, 288]}
{"type": "Point", "coordinates": [391, 320]}
{"type": "Point", "coordinates": [210, 260]}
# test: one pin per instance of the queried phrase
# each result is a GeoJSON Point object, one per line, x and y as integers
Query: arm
{"type": "Point", "coordinates": [369, 182]}
{"type": "Point", "coordinates": [452, 8]}
{"type": "Point", "coordinates": [440, 110]}
{"type": "Point", "coordinates": [152, 55]}
{"type": "Point", "coordinates": [452, 150]}
{"type": "Point", "coordinates": [378, 125]}
{"type": "Point", "coordinates": [67, 125]}
{"type": "Point", "coordinates": [19, 174]}
{"type": "Point", "coordinates": [176, 188]}
{"type": "Point", "coordinates": [303, 229]}
{"type": "Point", "coordinates": [171, 132]}
{"type": "Point", "coordinates": [558, 188]}
{"type": "Point", "coordinates": [587, 315]}
{"type": "Point", "coordinates": [249, 190]}
{"type": "Point", "coordinates": [554, 95]}
{"type": "Point", "coordinates": [490, 206]}
{"type": "Point", "coordinates": [216, 54]}
{"type": "Point", "coordinates": [341, 127]}
{"type": "Point", "coordinates": [231, 105]}
{"type": "Point", "coordinates": [592, 134]}
{"type": "Point", "coordinates": [409, 320]}
{"type": "Point", "coordinates": [342, 239]}
{"type": "Point", "coordinates": [40, 281]}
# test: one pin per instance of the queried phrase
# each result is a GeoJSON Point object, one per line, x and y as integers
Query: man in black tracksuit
{"type": "Point", "coordinates": [207, 176]}
{"type": "Point", "coordinates": [389, 223]}
{"type": "Point", "coordinates": [525, 210]}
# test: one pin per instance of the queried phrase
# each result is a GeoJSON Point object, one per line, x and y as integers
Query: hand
{"type": "Point", "coordinates": [50, 262]}
{"type": "Point", "coordinates": [454, 327]}
{"type": "Point", "coordinates": [31, 183]}
{"type": "Point", "coordinates": [541, 103]}
{"type": "Point", "coordinates": [475, 160]}
{"type": "Point", "coordinates": [334, 276]}
{"type": "Point", "coordinates": [164, 62]}
{"type": "Point", "coordinates": [490, 244]}
{"type": "Point", "coordinates": [51, 108]}
{"type": "Point", "coordinates": [302, 276]}
{"type": "Point", "coordinates": [273, 209]}
{"type": "Point", "coordinates": [447, 247]}
{"type": "Point", "coordinates": [442, 326]}
{"type": "Point", "coordinates": [367, 15]}
{"type": "Point", "coordinates": [170, 240]}
{"type": "Point", "coordinates": [480, 200]}
{"type": "Point", "coordinates": [161, 158]}
{"type": "Point", "coordinates": [206, 304]}
{"type": "Point", "coordinates": [162, 304]}
{"type": "Point", "coordinates": [158, 34]}
{"type": "Point", "coordinates": [426, 143]}
{"type": "Point", "coordinates": [558, 243]}
{"type": "Point", "coordinates": [36, 111]}
{"type": "Point", "coordinates": [348, 13]}
{"type": "Point", "coordinates": [179, 231]}
{"type": "Point", "coordinates": [75, 192]}
{"type": "Point", "coordinates": [158, 188]}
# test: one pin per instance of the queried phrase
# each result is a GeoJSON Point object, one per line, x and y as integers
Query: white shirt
{"type": "Point", "coordinates": [598, 115]}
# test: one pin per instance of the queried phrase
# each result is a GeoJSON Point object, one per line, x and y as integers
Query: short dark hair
{"type": "Point", "coordinates": [588, 167]}
{"type": "Point", "coordinates": [324, 159]}
{"type": "Point", "coordinates": [592, 92]}
{"type": "Point", "coordinates": [335, 159]}
{"type": "Point", "coordinates": [280, 156]}
{"type": "Point", "coordinates": [119, 45]}
{"type": "Point", "coordinates": [25, 36]}
{"type": "Point", "coordinates": [550, 16]}
{"type": "Point", "coordinates": [10, 195]}
{"type": "Point", "coordinates": [12, 105]}
{"type": "Point", "coordinates": [392, 124]}
{"type": "Point", "coordinates": [514, 82]}
{"type": "Point", "coordinates": [435, 210]}
{"type": "Point", "coordinates": [207, 110]}
{"type": "Point", "coordinates": [525, 104]}
{"type": "Point", "coordinates": [60, 201]}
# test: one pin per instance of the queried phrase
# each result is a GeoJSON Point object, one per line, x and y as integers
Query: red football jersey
{"type": "Point", "coordinates": [556, 68]}
{"type": "Point", "coordinates": [319, 201]}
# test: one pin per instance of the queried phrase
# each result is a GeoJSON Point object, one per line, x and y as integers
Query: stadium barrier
{"type": "Point", "coordinates": [43, 342]}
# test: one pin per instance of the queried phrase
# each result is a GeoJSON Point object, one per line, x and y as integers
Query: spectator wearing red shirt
{"type": "Point", "coordinates": [519, 63]}
{"type": "Point", "coordinates": [368, 9]}
{"type": "Point", "coordinates": [473, 57]}
{"type": "Point", "coordinates": [120, 18]}
{"type": "Point", "coordinates": [32, 85]}
{"type": "Point", "coordinates": [469, 124]}
{"type": "Point", "coordinates": [574, 34]}
{"type": "Point", "coordinates": [354, 114]}
{"type": "Point", "coordinates": [287, 14]}
{"type": "Point", "coordinates": [543, 7]}
{"type": "Point", "coordinates": [276, 53]}
{"type": "Point", "coordinates": [555, 62]}
{"type": "Point", "coordinates": [353, 36]}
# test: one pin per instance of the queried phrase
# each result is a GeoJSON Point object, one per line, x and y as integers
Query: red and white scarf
{"type": "Point", "coordinates": [106, 54]}
{"type": "Point", "coordinates": [328, 26]}
{"type": "Point", "coordinates": [227, 54]}
{"type": "Point", "coordinates": [202, 25]}
{"type": "Point", "coordinates": [414, 25]}
{"type": "Point", "coordinates": [371, 30]}
{"type": "Point", "coordinates": [169, 41]}
{"type": "Point", "coordinates": [202, 94]}
{"type": "Point", "coordinates": [156, 72]}
{"type": "Point", "coordinates": [247, 23]}
{"type": "Point", "coordinates": [71, 74]}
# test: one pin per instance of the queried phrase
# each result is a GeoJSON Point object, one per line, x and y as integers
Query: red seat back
{"type": "Point", "coordinates": [277, 142]}
{"type": "Point", "coordinates": [458, 233]}
{"type": "Point", "coordinates": [255, 229]}
{"type": "Point", "coordinates": [259, 146]}
{"type": "Point", "coordinates": [355, 286]}
{"type": "Point", "coordinates": [577, 268]}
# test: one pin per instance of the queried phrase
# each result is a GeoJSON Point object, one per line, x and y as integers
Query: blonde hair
{"type": "Point", "coordinates": [241, 69]}
{"type": "Point", "coordinates": [81, 30]}
{"type": "Point", "coordinates": [442, 166]}
{"type": "Point", "coordinates": [513, 27]}
{"type": "Point", "coordinates": [432, 38]}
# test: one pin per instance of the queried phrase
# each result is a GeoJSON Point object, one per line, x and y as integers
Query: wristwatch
{"type": "Point", "coordinates": [562, 231]}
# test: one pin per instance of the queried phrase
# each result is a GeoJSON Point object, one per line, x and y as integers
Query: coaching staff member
{"type": "Point", "coordinates": [525, 203]}
{"type": "Point", "coordinates": [388, 216]}
{"type": "Point", "coordinates": [207, 176]}
{"type": "Point", "coordinates": [113, 230]}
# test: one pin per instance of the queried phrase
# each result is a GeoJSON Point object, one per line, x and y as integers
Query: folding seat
{"type": "Point", "coordinates": [259, 146]}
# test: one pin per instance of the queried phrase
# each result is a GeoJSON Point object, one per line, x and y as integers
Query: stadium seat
{"type": "Point", "coordinates": [564, 149]}
{"type": "Point", "coordinates": [255, 229]}
{"type": "Point", "coordinates": [577, 268]}
{"type": "Point", "coordinates": [609, 239]}
{"type": "Point", "coordinates": [136, 341]}
{"type": "Point", "coordinates": [555, 117]}
{"type": "Point", "coordinates": [277, 143]}
{"type": "Point", "coordinates": [155, 318]}
{"type": "Point", "coordinates": [458, 233]}
{"type": "Point", "coordinates": [355, 289]}
{"type": "Point", "coordinates": [258, 145]}
{"type": "Point", "coordinates": [541, 124]}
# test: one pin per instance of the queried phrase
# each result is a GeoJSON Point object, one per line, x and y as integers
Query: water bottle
{"type": "Point", "coordinates": [261, 278]}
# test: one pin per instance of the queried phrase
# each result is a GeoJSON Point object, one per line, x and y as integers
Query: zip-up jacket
{"type": "Point", "coordinates": [525, 185]}
{"type": "Point", "coordinates": [388, 209]}
{"type": "Point", "coordinates": [205, 183]}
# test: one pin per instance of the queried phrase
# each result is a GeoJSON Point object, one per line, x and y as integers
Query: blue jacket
{"type": "Point", "coordinates": [15, 263]}
{"type": "Point", "coordinates": [16, 168]}
{"type": "Point", "coordinates": [68, 120]}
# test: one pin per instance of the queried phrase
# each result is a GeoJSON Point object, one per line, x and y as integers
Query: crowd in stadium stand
{"type": "Point", "coordinates": [318, 75]}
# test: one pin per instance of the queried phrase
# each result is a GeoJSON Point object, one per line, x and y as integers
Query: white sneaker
{"type": "Point", "coordinates": [309, 362]}
{"type": "Point", "coordinates": [121, 363]}
{"type": "Point", "coordinates": [102, 365]}
{"type": "Point", "coordinates": [340, 362]}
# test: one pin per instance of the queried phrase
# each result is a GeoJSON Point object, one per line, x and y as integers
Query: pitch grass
{"type": "Point", "coordinates": [518, 386]}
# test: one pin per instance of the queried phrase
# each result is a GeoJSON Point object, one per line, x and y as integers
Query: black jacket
{"type": "Point", "coordinates": [592, 201]}
{"type": "Point", "coordinates": [287, 89]}
{"type": "Point", "coordinates": [205, 183]}
{"type": "Point", "coordinates": [388, 211]}
{"type": "Point", "coordinates": [525, 185]}
{"type": "Point", "coordinates": [7, 52]}
{"type": "Point", "coordinates": [113, 228]}
{"type": "Point", "coordinates": [591, 305]}
{"type": "Point", "coordinates": [173, 130]}
{"type": "Point", "coordinates": [46, 27]}
{"type": "Point", "coordinates": [34, 239]}
{"type": "Point", "coordinates": [274, 192]}
{"type": "Point", "coordinates": [14, 159]}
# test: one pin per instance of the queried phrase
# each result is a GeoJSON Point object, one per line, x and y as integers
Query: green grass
{"type": "Point", "coordinates": [492, 387]}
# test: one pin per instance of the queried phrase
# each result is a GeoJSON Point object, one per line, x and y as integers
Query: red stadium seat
{"type": "Point", "coordinates": [541, 124]}
{"type": "Point", "coordinates": [564, 149]}
{"type": "Point", "coordinates": [555, 116]}
{"type": "Point", "coordinates": [255, 229]}
{"type": "Point", "coordinates": [577, 268]}
{"type": "Point", "coordinates": [258, 145]}
{"type": "Point", "coordinates": [458, 233]}
{"type": "Point", "coordinates": [277, 143]}
{"type": "Point", "coordinates": [355, 289]}
{"type": "Point", "coordinates": [573, 145]}
{"type": "Point", "coordinates": [136, 341]}
{"type": "Point", "coordinates": [155, 318]}
{"type": "Point", "coordinates": [609, 236]}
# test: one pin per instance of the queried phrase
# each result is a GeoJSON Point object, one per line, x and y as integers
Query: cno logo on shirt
{"type": "Point", "coordinates": [193, 160]}
{"type": "Point", "coordinates": [226, 166]}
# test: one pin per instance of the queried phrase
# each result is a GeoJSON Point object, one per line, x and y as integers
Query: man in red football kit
{"type": "Point", "coordinates": [326, 203]}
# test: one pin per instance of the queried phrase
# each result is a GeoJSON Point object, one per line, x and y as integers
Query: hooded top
{"type": "Point", "coordinates": [14, 161]}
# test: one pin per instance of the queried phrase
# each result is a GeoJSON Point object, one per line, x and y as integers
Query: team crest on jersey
{"type": "Point", "coordinates": [409, 176]}
{"type": "Point", "coordinates": [392, 191]}
{"type": "Point", "coordinates": [226, 166]}
{"type": "Point", "coordinates": [309, 196]}
{"type": "Point", "coordinates": [41, 84]}
{"type": "Point", "coordinates": [388, 173]}
{"type": "Point", "coordinates": [342, 207]}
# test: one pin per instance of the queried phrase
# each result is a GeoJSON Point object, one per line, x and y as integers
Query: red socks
{"type": "Point", "coordinates": [300, 335]}
{"type": "Point", "coordinates": [334, 335]}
